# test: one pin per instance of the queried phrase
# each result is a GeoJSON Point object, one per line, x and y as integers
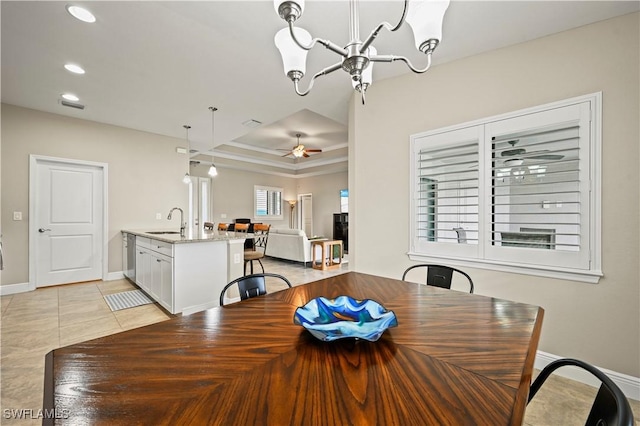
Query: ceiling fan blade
{"type": "Point", "coordinates": [547, 157]}
{"type": "Point", "coordinates": [313, 150]}
{"type": "Point", "coordinates": [512, 152]}
{"type": "Point", "coordinates": [287, 154]}
{"type": "Point", "coordinates": [306, 155]}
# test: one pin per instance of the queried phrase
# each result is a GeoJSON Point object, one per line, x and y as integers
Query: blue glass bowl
{"type": "Point", "coordinates": [343, 317]}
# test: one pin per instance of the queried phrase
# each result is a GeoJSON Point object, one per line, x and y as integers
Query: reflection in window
{"type": "Point", "coordinates": [536, 188]}
{"type": "Point", "coordinates": [448, 194]}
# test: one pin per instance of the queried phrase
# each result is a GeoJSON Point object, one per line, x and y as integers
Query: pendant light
{"type": "Point", "coordinates": [212, 170]}
{"type": "Point", "coordinates": [187, 178]}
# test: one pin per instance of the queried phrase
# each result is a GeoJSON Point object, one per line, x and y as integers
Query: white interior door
{"type": "Point", "coordinates": [199, 202]}
{"type": "Point", "coordinates": [67, 224]}
{"type": "Point", "coordinates": [306, 213]}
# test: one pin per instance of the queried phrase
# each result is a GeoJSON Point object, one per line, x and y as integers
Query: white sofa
{"type": "Point", "coordinates": [290, 244]}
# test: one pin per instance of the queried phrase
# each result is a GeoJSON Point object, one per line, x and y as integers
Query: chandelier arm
{"type": "Point", "coordinates": [326, 43]}
{"type": "Point", "coordinates": [325, 71]}
{"type": "Point", "coordinates": [391, 58]}
{"type": "Point", "coordinates": [386, 25]}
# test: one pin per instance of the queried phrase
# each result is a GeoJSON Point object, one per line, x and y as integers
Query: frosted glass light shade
{"type": "Point", "coordinates": [213, 171]}
{"type": "Point", "coordinates": [277, 3]}
{"type": "Point", "coordinates": [186, 179]}
{"type": "Point", "coordinates": [425, 18]}
{"type": "Point", "coordinates": [367, 74]}
{"type": "Point", "coordinates": [294, 58]}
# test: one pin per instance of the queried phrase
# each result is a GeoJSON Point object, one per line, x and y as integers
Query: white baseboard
{"type": "Point", "coordinates": [628, 384]}
{"type": "Point", "coordinates": [112, 276]}
{"type": "Point", "coordinates": [197, 308]}
{"type": "Point", "coordinates": [8, 289]}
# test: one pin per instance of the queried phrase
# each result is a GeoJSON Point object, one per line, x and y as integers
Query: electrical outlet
{"type": "Point", "coordinates": [223, 215]}
{"type": "Point", "coordinates": [17, 215]}
{"type": "Point", "coordinates": [236, 258]}
{"type": "Point", "coordinates": [159, 216]}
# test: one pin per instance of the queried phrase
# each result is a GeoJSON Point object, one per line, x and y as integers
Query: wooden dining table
{"type": "Point", "coordinates": [454, 358]}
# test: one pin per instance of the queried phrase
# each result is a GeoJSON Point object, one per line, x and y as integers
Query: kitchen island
{"type": "Point", "coordinates": [184, 274]}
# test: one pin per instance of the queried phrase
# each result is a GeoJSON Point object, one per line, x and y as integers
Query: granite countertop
{"type": "Point", "coordinates": [190, 237]}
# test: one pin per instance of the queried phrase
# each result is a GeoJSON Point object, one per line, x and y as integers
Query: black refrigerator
{"type": "Point", "coordinates": [341, 229]}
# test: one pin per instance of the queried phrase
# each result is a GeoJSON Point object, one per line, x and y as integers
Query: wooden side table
{"type": "Point", "coordinates": [327, 259]}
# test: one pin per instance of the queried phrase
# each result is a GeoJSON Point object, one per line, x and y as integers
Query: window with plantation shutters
{"type": "Point", "coordinates": [447, 196]}
{"type": "Point", "coordinates": [267, 202]}
{"type": "Point", "coordinates": [519, 192]}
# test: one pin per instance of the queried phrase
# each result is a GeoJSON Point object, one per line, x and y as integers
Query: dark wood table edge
{"type": "Point", "coordinates": [49, 389]}
{"type": "Point", "coordinates": [518, 410]}
{"type": "Point", "coordinates": [522, 397]}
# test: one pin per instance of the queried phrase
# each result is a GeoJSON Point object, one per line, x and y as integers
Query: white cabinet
{"type": "Point", "coordinates": [185, 276]}
{"type": "Point", "coordinates": [154, 270]}
{"type": "Point", "coordinates": [162, 277]}
{"type": "Point", "coordinates": [143, 265]}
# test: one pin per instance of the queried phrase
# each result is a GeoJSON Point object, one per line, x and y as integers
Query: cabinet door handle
{"type": "Point", "coordinates": [42, 230]}
{"type": "Point", "coordinates": [158, 260]}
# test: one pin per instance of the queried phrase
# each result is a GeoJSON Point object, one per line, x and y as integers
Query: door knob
{"type": "Point", "coordinates": [41, 230]}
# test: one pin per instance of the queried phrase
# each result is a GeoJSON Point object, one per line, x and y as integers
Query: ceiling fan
{"type": "Point", "coordinates": [516, 156]}
{"type": "Point", "coordinates": [299, 150]}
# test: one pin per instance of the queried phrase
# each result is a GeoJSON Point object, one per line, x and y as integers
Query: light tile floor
{"type": "Point", "coordinates": [34, 323]}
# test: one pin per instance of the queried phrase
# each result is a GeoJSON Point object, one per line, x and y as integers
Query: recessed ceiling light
{"type": "Point", "coordinates": [81, 13]}
{"type": "Point", "coordinates": [76, 69]}
{"type": "Point", "coordinates": [70, 97]}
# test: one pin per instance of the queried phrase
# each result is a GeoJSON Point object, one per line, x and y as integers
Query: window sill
{"type": "Point", "coordinates": [587, 276]}
{"type": "Point", "coordinates": [266, 217]}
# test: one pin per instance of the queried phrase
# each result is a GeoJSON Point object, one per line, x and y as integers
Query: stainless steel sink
{"type": "Point", "coordinates": [162, 232]}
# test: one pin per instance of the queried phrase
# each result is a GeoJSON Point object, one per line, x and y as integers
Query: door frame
{"type": "Point", "coordinates": [300, 211]}
{"type": "Point", "coordinates": [34, 160]}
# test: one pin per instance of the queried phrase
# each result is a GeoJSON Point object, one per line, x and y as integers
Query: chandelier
{"type": "Point", "coordinates": [357, 57]}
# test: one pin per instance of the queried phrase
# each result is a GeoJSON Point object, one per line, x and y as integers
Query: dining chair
{"type": "Point", "coordinates": [610, 406]}
{"type": "Point", "coordinates": [440, 275]}
{"type": "Point", "coordinates": [208, 226]}
{"type": "Point", "coordinates": [241, 228]}
{"type": "Point", "coordinates": [223, 227]}
{"type": "Point", "coordinates": [252, 285]}
{"type": "Point", "coordinates": [259, 247]}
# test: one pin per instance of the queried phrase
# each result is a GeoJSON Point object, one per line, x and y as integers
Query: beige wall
{"type": "Point", "coordinates": [233, 192]}
{"type": "Point", "coordinates": [233, 195]}
{"type": "Point", "coordinates": [145, 177]}
{"type": "Point", "coordinates": [599, 323]}
{"type": "Point", "coordinates": [326, 199]}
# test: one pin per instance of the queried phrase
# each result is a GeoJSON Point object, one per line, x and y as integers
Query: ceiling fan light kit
{"type": "Point", "coordinates": [425, 18]}
{"type": "Point", "coordinates": [300, 150]}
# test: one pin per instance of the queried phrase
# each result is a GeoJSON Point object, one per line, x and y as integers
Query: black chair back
{"type": "Point", "coordinates": [439, 275]}
{"type": "Point", "coordinates": [251, 285]}
{"type": "Point", "coordinates": [610, 406]}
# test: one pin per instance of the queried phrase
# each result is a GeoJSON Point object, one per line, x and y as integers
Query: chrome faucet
{"type": "Point", "coordinates": [183, 224]}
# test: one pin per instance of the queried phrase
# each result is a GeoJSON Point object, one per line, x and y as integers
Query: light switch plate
{"type": "Point", "coordinates": [159, 216]}
{"type": "Point", "coordinates": [223, 215]}
{"type": "Point", "coordinates": [17, 215]}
